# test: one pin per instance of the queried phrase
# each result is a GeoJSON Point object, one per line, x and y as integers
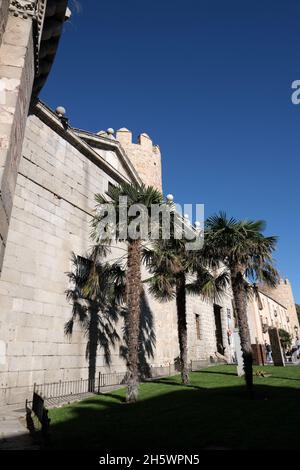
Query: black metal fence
{"type": "Point", "coordinates": [64, 388]}
{"type": "Point", "coordinates": [63, 391]}
{"type": "Point", "coordinates": [111, 379]}
{"type": "Point", "coordinates": [55, 393]}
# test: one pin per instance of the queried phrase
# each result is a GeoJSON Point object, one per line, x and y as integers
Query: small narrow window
{"type": "Point", "coordinates": [198, 326]}
{"type": "Point", "coordinates": [111, 186]}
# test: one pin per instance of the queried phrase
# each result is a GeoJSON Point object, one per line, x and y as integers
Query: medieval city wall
{"type": "Point", "coordinates": [53, 201]}
{"type": "Point", "coordinates": [17, 75]}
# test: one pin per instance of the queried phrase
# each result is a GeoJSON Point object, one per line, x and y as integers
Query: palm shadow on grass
{"type": "Point", "coordinates": [214, 372]}
{"type": "Point", "coordinates": [168, 419]}
{"type": "Point", "coordinates": [175, 384]}
{"type": "Point", "coordinates": [284, 378]}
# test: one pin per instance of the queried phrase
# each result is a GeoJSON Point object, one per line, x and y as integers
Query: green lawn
{"type": "Point", "coordinates": [213, 411]}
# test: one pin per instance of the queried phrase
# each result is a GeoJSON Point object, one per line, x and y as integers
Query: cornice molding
{"type": "Point", "coordinates": [48, 18]}
{"type": "Point", "coordinates": [105, 143]}
{"type": "Point", "coordinates": [48, 25]}
{"type": "Point", "coordinates": [261, 291]}
{"type": "Point", "coordinates": [23, 8]}
{"type": "Point", "coordinates": [70, 135]}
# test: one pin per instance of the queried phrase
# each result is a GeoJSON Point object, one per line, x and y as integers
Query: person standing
{"type": "Point", "coordinates": [268, 352]}
{"type": "Point", "coordinates": [297, 346]}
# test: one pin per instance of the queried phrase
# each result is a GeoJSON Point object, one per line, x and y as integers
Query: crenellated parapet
{"type": "Point", "coordinates": [144, 155]}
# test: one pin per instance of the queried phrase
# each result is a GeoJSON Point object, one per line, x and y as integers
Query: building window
{"type": "Point", "coordinates": [198, 326]}
{"type": "Point", "coordinates": [111, 186]}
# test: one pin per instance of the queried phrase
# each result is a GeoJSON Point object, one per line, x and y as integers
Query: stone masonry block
{"type": "Point", "coordinates": [17, 363]}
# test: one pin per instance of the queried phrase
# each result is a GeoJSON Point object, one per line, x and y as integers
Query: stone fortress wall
{"type": "Point", "coordinates": [53, 202]}
{"type": "Point", "coordinates": [29, 36]}
{"type": "Point", "coordinates": [49, 173]}
{"type": "Point", "coordinates": [48, 179]}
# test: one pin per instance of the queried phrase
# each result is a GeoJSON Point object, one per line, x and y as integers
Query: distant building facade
{"type": "Point", "coordinates": [272, 308]}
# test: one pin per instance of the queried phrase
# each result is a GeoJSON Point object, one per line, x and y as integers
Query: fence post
{"type": "Point", "coordinates": [34, 387]}
{"type": "Point", "coordinates": [99, 383]}
{"type": "Point", "coordinates": [169, 369]}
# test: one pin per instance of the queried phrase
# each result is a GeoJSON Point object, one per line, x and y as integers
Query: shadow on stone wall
{"type": "Point", "coordinates": [147, 337]}
{"type": "Point", "coordinates": [97, 315]}
{"type": "Point", "coordinates": [91, 297]}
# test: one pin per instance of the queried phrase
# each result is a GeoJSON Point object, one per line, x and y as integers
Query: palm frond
{"type": "Point", "coordinates": [162, 287]}
{"type": "Point", "coordinates": [69, 327]}
{"type": "Point", "coordinates": [241, 243]}
{"type": "Point", "coordinates": [135, 194]}
{"type": "Point", "coordinates": [208, 285]}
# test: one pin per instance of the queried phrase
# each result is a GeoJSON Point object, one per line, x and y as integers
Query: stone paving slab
{"type": "Point", "coordinates": [13, 432]}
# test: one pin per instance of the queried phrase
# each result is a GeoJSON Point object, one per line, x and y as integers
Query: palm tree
{"type": "Point", "coordinates": [141, 198]}
{"type": "Point", "coordinates": [96, 296]}
{"type": "Point", "coordinates": [177, 272]}
{"type": "Point", "coordinates": [247, 253]}
{"type": "Point", "coordinates": [147, 337]}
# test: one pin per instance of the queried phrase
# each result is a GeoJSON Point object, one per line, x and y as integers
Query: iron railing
{"type": "Point", "coordinates": [72, 389]}
{"type": "Point", "coordinates": [64, 388]}
{"type": "Point", "coordinates": [110, 379]}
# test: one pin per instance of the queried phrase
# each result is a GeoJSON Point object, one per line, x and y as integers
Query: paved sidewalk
{"type": "Point", "coordinates": [13, 432]}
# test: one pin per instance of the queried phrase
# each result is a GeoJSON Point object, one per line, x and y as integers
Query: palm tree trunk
{"type": "Point", "coordinates": [240, 300]}
{"type": "Point", "coordinates": [92, 348]}
{"type": "Point", "coordinates": [182, 327]}
{"type": "Point", "coordinates": [133, 290]}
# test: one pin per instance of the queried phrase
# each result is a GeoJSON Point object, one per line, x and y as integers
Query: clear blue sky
{"type": "Point", "coordinates": [210, 82]}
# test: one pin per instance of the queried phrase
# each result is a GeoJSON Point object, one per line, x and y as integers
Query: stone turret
{"type": "Point", "coordinates": [144, 155]}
